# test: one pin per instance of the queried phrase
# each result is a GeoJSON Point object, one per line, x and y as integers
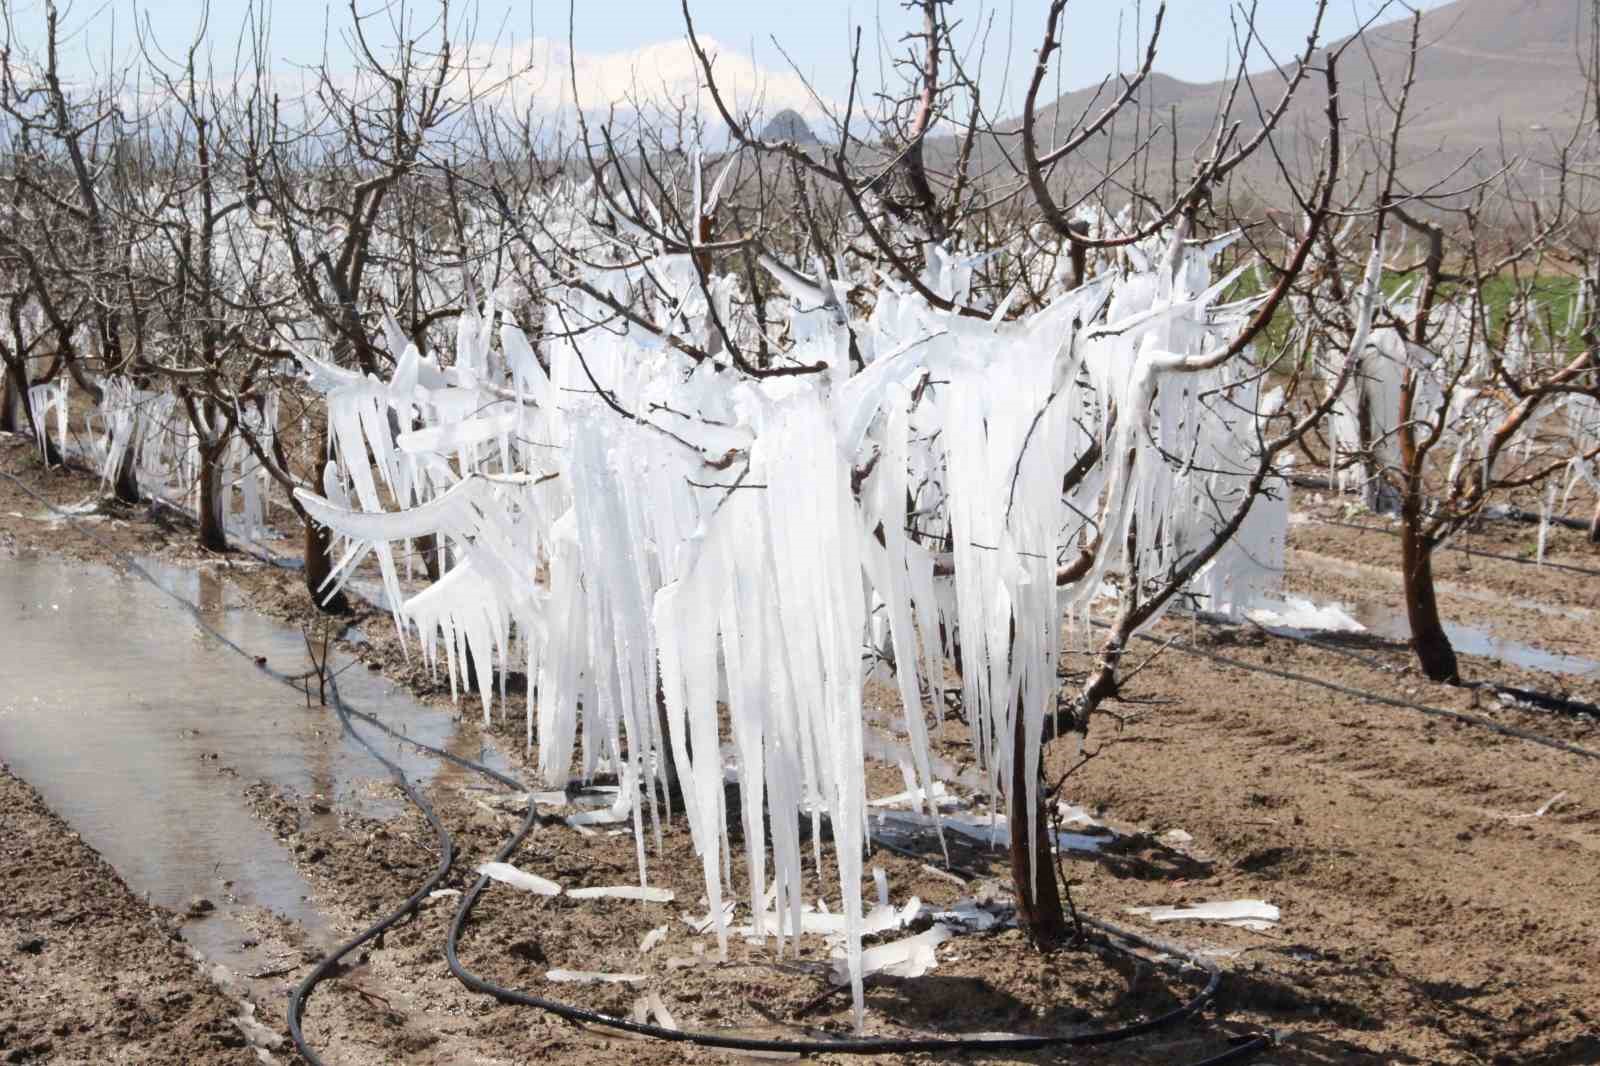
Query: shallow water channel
{"type": "Point", "coordinates": [142, 731]}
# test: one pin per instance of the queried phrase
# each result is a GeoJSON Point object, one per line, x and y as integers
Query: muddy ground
{"type": "Point", "coordinates": [1428, 914]}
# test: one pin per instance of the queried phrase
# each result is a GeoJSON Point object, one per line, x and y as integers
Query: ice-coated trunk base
{"type": "Point", "coordinates": [126, 487]}
{"type": "Point", "coordinates": [15, 417]}
{"type": "Point", "coordinates": [1428, 638]}
{"type": "Point", "coordinates": [1594, 525]}
{"type": "Point", "coordinates": [318, 565]}
{"type": "Point", "coordinates": [1033, 872]}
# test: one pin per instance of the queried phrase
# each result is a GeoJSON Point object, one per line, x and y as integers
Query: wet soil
{"type": "Point", "coordinates": [1429, 914]}
{"type": "Point", "coordinates": [88, 971]}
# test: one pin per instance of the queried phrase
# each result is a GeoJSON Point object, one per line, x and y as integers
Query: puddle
{"type": "Point", "coordinates": [1390, 624]}
{"type": "Point", "coordinates": [142, 732]}
{"type": "Point", "coordinates": [1470, 640]}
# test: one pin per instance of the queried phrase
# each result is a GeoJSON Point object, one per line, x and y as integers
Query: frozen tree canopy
{"type": "Point", "coordinates": [681, 555]}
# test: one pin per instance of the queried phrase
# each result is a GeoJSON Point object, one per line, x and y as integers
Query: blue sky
{"type": "Point", "coordinates": [815, 33]}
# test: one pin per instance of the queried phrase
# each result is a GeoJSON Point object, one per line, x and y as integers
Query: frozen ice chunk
{"type": "Point", "coordinates": [505, 873]}
{"type": "Point", "coordinates": [645, 895]}
{"type": "Point", "coordinates": [594, 977]}
{"type": "Point", "coordinates": [910, 956]}
{"type": "Point", "coordinates": [1254, 914]}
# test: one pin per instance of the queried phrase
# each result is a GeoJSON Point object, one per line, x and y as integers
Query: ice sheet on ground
{"type": "Point", "coordinates": [505, 873]}
{"type": "Point", "coordinates": [914, 797]}
{"type": "Point", "coordinates": [1255, 914]}
{"type": "Point", "coordinates": [509, 802]}
{"type": "Point", "coordinates": [967, 913]}
{"type": "Point", "coordinates": [650, 1008]}
{"type": "Point", "coordinates": [910, 956]}
{"type": "Point", "coordinates": [880, 919]}
{"type": "Point", "coordinates": [1543, 810]}
{"type": "Point", "coordinates": [549, 799]}
{"type": "Point", "coordinates": [592, 977]}
{"type": "Point", "coordinates": [644, 895]}
{"type": "Point", "coordinates": [708, 921]}
{"type": "Point", "coordinates": [1072, 814]}
{"type": "Point", "coordinates": [994, 832]}
{"type": "Point", "coordinates": [1295, 613]}
{"type": "Point", "coordinates": [620, 810]}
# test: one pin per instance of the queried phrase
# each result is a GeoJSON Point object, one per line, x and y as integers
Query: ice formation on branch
{"type": "Point", "coordinates": [42, 400]}
{"type": "Point", "coordinates": [658, 540]}
{"type": "Point", "coordinates": [151, 427]}
{"type": "Point", "coordinates": [1456, 385]}
{"type": "Point", "coordinates": [1583, 422]}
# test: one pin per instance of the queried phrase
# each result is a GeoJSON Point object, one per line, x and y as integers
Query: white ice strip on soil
{"type": "Point", "coordinates": [910, 956]}
{"type": "Point", "coordinates": [635, 892]}
{"type": "Point", "coordinates": [592, 977]}
{"type": "Point", "coordinates": [880, 919]}
{"type": "Point", "coordinates": [1256, 914]}
{"type": "Point", "coordinates": [505, 873]}
{"type": "Point", "coordinates": [994, 832]}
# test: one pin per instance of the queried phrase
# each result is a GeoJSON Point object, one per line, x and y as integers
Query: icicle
{"type": "Point", "coordinates": [1546, 506]}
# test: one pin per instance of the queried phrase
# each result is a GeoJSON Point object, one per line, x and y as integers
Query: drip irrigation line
{"type": "Point", "coordinates": [837, 1045]}
{"type": "Point", "coordinates": [1568, 567]}
{"type": "Point", "coordinates": [1534, 518]}
{"type": "Point", "coordinates": [1543, 700]}
{"type": "Point", "coordinates": [1375, 697]}
{"type": "Point", "coordinates": [1242, 1047]}
{"type": "Point", "coordinates": [328, 965]}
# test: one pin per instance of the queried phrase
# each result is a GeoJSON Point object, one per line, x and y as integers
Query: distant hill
{"type": "Point", "coordinates": [1494, 78]}
{"type": "Point", "coordinates": [788, 125]}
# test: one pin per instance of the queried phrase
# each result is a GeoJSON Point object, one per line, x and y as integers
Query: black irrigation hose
{"type": "Point", "coordinates": [328, 965]}
{"type": "Point", "coordinates": [837, 1046]}
{"type": "Point", "coordinates": [1243, 1047]}
{"type": "Point", "coordinates": [1375, 697]}
{"type": "Point", "coordinates": [1584, 570]}
{"type": "Point", "coordinates": [1542, 700]}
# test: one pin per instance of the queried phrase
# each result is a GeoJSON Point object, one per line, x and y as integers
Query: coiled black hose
{"type": "Point", "coordinates": [837, 1046]}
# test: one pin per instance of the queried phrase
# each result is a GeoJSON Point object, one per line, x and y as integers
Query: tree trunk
{"type": "Point", "coordinates": [126, 488]}
{"type": "Point", "coordinates": [11, 403]}
{"type": "Point", "coordinates": [1033, 877]}
{"type": "Point", "coordinates": [1428, 638]}
{"type": "Point", "coordinates": [428, 547]}
{"type": "Point", "coordinates": [1594, 525]}
{"type": "Point", "coordinates": [213, 533]}
{"type": "Point", "coordinates": [668, 767]}
{"type": "Point", "coordinates": [318, 565]}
